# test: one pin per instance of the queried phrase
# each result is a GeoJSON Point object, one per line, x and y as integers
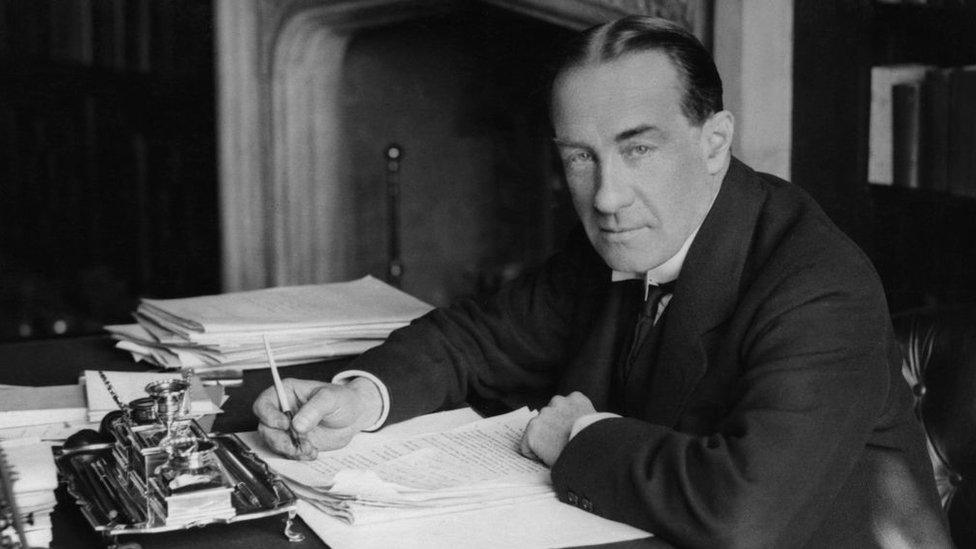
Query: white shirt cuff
{"type": "Point", "coordinates": [342, 377]}
{"type": "Point", "coordinates": [587, 420]}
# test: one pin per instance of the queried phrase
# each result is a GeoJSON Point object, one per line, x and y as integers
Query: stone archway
{"type": "Point", "coordinates": [279, 67]}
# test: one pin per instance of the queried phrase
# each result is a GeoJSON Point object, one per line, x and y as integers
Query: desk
{"type": "Point", "coordinates": [60, 361]}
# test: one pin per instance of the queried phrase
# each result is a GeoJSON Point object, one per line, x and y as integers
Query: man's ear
{"type": "Point", "coordinates": [716, 140]}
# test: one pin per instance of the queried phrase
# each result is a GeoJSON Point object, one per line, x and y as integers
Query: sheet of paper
{"type": "Point", "coordinates": [363, 301]}
{"type": "Point", "coordinates": [33, 464]}
{"type": "Point", "coordinates": [430, 423]}
{"type": "Point", "coordinates": [485, 450]}
{"type": "Point", "coordinates": [22, 406]}
{"type": "Point", "coordinates": [531, 524]}
{"type": "Point", "coordinates": [173, 357]}
{"type": "Point", "coordinates": [468, 467]}
{"type": "Point", "coordinates": [55, 432]}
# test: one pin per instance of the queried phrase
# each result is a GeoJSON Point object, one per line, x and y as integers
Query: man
{"type": "Point", "coordinates": [760, 404]}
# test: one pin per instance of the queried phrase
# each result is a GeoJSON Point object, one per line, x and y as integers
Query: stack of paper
{"type": "Point", "coordinates": [302, 323]}
{"type": "Point", "coordinates": [34, 480]}
{"type": "Point", "coordinates": [470, 467]}
{"type": "Point", "coordinates": [27, 406]}
{"type": "Point", "coordinates": [542, 522]}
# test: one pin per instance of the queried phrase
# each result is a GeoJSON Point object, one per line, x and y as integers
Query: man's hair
{"type": "Point", "coordinates": [702, 94]}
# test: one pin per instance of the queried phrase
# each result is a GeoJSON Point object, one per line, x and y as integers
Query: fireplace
{"type": "Point", "coordinates": [311, 94]}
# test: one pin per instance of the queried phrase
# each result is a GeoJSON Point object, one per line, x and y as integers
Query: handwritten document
{"type": "Point", "coordinates": [472, 465]}
{"type": "Point", "coordinates": [486, 450]}
{"type": "Point", "coordinates": [446, 517]}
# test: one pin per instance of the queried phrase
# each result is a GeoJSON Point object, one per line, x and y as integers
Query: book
{"type": "Point", "coordinates": [934, 160]}
{"type": "Point", "coordinates": [961, 160]}
{"type": "Point", "coordinates": [880, 138]}
{"type": "Point", "coordinates": [906, 132]}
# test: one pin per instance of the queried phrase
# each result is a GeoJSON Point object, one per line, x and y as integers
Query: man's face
{"type": "Point", "coordinates": [635, 165]}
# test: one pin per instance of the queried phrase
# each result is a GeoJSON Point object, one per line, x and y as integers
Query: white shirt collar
{"type": "Point", "coordinates": [663, 273]}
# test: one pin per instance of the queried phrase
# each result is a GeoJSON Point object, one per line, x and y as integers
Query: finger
{"type": "Point", "coordinates": [279, 441]}
{"type": "Point", "coordinates": [325, 439]}
{"type": "Point", "coordinates": [524, 448]}
{"type": "Point", "coordinates": [579, 399]}
{"type": "Point", "coordinates": [556, 400]}
{"type": "Point", "coordinates": [302, 389]}
{"type": "Point", "coordinates": [306, 451]}
{"type": "Point", "coordinates": [268, 411]}
{"type": "Point", "coordinates": [329, 406]}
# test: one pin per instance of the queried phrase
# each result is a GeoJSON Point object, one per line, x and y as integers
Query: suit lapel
{"type": "Point", "coordinates": [593, 368]}
{"type": "Point", "coordinates": [706, 294]}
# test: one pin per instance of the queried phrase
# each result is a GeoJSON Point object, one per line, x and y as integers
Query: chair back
{"type": "Point", "coordinates": [940, 365]}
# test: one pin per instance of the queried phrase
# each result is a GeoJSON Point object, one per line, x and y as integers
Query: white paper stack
{"type": "Point", "coordinates": [471, 467]}
{"type": "Point", "coordinates": [22, 406]}
{"type": "Point", "coordinates": [34, 480]}
{"type": "Point", "coordinates": [542, 522]}
{"type": "Point", "coordinates": [302, 323]}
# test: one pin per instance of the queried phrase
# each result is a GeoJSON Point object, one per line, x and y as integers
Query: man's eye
{"type": "Point", "coordinates": [579, 161]}
{"type": "Point", "coordinates": [638, 151]}
{"type": "Point", "coordinates": [579, 158]}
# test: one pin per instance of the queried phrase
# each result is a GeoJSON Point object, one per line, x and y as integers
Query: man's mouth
{"type": "Point", "coordinates": [619, 233]}
{"type": "Point", "coordinates": [619, 230]}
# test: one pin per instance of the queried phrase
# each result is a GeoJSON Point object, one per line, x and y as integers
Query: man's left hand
{"type": "Point", "coordinates": [548, 433]}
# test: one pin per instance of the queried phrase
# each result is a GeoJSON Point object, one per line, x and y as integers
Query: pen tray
{"type": "Point", "coordinates": [118, 499]}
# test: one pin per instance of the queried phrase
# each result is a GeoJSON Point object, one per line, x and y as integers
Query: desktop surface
{"type": "Point", "coordinates": [60, 361]}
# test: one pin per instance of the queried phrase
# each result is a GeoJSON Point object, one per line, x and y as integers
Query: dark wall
{"type": "Point", "coordinates": [464, 94]}
{"type": "Point", "coordinates": [830, 109]}
{"type": "Point", "coordinates": [107, 160]}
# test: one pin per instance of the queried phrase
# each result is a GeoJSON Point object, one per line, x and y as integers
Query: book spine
{"type": "Point", "coordinates": [935, 130]}
{"type": "Point", "coordinates": [880, 138]}
{"type": "Point", "coordinates": [906, 144]}
{"type": "Point", "coordinates": [961, 163]}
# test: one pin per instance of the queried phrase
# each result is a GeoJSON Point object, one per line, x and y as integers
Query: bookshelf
{"type": "Point", "coordinates": [925, 219]}
{"type": "Point", "coordinates": [917, 238]}
{"type": "Point", "coordinates": [923, 97]}
{"type": "Point", "coordinates": [107, 157]}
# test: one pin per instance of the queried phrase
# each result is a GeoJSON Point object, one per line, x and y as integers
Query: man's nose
{"type": "Point", "coordinates": [613, 191]}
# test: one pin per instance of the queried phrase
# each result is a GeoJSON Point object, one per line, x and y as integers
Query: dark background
{"type": "Point", "coordinates": [108, 178]}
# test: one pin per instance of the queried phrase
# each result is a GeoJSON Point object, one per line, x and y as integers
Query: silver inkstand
{"type": "Point", "coordinates": [156, 470]}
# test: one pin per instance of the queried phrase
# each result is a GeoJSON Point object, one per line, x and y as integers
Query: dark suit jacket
{"type": "Point", "coordinates": [774, 414]}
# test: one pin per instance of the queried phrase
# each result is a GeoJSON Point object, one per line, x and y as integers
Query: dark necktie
{"type": "Point", "coordinates": [646, 318]}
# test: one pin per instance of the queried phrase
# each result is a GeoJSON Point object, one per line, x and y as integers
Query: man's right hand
{"type": "Point", "coordinates": [327, 418]}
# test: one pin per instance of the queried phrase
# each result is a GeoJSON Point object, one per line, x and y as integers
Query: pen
{"type": "Point", "coordinates": [242, 475]}
{"type": "Point", "coordinates": [101, 499]}
{"type": "Point", "coordinates": [283, 399]}
{"type": "Point", "coordinates": [112, 486]}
